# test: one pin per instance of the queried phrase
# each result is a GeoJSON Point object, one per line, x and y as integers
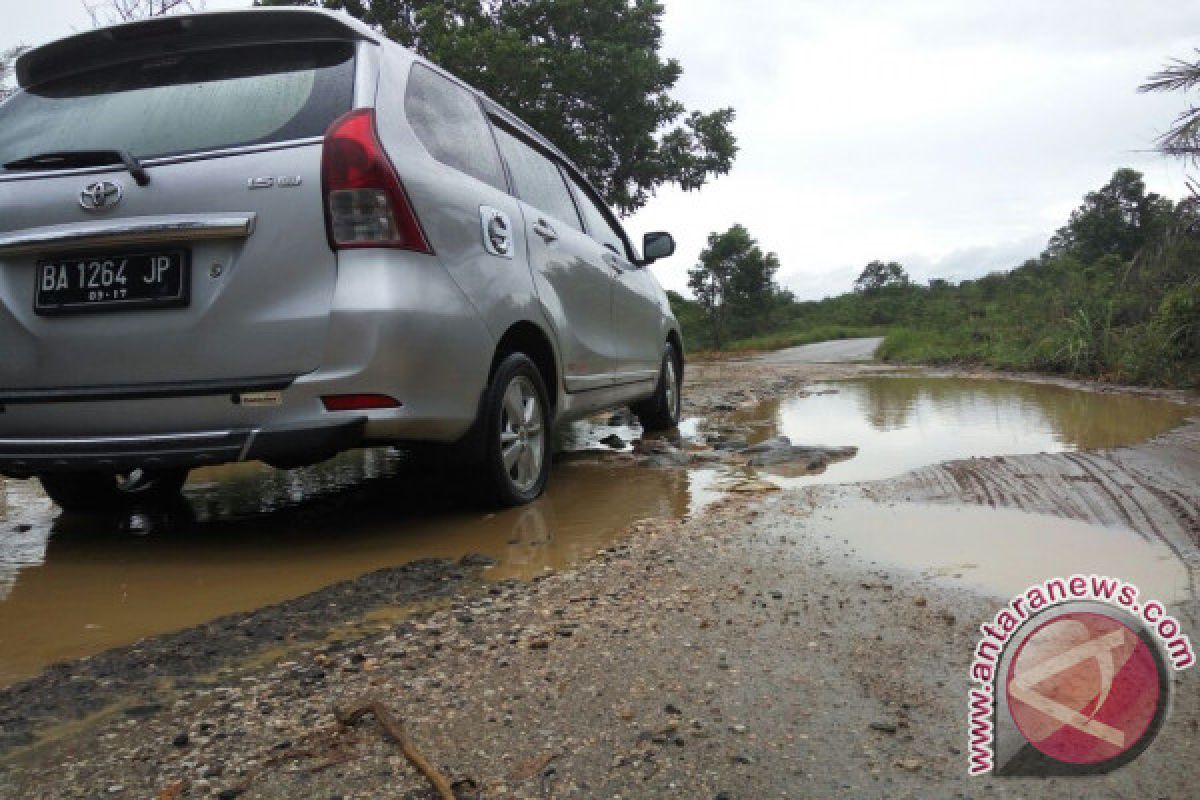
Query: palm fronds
{"type": "Point", "coordinates": [1183, 137]}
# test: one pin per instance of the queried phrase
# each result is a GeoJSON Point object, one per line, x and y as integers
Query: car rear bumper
{"type": "Point", "coordinates": [285, 444]}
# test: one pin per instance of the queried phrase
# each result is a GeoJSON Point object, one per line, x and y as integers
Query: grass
{"type": "Point", "coordinates": [929, 347]}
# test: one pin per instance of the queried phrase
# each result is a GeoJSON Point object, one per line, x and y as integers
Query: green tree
{"type": "Point", "coordinates": [692, 320]}
{"type": "Point", "coordinates": [587, 74]}
{"type": "Point", "coordinates": [877, 275]}
{"type": "Point", "coordinates": [735, 284]}
{"type": "Point", "coordinates": [1116, 219]}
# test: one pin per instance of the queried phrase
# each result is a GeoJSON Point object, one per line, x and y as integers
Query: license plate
{"type": "Point", "coordinates": [112, 282]}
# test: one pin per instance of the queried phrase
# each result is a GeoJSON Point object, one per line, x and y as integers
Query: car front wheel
{"type": "Point", "coordinates": [517, 422]}
{"type": "Point", "coordinates": [101, 491]}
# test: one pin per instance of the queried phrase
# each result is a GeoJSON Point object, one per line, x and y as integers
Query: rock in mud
{"type": "Point", "coordinates": [622, 417]}
{"type": "Point", "coordinates": [780, 450]}
{"type": "Point", "coordinates": [660, 453]}
{"type": "Point", "coordinates": [750, 486]}
{"type": "Point", "coordinates": [477, 560]}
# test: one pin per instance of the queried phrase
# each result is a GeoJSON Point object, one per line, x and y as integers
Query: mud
{"type": "Point", "coordinates": [901, 422]}
{"type": "Point", "coordinates": [252, 537]}
{"type": "Point", "coordinates": [141, 676]}
{"type": "Point", "coordinates": [987, 550]}
{"type": "Point", "coordinates": [249, 536]}
{"type": "Point", "coordinates": [724, 656]}
{"type": "Point", "coordinates": [743, 649]}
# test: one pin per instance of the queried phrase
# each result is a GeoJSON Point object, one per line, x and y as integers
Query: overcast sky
{"type": "Point", "coordinates": [952, 136]}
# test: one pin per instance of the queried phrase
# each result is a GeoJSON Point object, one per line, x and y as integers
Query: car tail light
{"type": "Point", "coordinates": [365, 203]}
{"type": "Point", "coordinates": [358, 402]}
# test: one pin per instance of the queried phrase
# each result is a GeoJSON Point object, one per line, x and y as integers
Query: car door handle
{"type": "Point", "coordinates": [614, 261]}
{"type": "Point", "coordinates": [545, 230]}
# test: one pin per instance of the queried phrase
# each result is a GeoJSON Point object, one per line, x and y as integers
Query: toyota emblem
{"type": "Point", "coordinates": [100, 195]}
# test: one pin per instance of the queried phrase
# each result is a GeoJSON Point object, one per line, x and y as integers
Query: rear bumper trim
{"type": "Point", "coordinates": [298, 444]}
{"type": "Point", "coordinates": [128, 231]}
{"type": "Point", "coordinates": [72, 394]}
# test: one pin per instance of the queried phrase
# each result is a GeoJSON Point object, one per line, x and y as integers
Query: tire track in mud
{"type": "Point", "coordinates": [1152, 488]}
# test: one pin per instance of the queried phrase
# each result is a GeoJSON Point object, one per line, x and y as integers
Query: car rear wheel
{"type": "Point", "coordinates": [660, 412]}
{"type": "Point", "coordinates": [517, 460]}
{"type": "Point", "coordinates": [101, 491]}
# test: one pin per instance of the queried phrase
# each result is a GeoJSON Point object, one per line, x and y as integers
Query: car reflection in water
{"type": "Point", "coordinates": [247, 536]}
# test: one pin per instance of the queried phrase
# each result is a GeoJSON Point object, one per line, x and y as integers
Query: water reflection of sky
{"type": "Point", "coordinates": [995, 557]}
{"type": "Point", "coordinates": [900, 423]}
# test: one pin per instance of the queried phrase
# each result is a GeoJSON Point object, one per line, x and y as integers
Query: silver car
{"type": "Point", "coordinates": [275, 235]}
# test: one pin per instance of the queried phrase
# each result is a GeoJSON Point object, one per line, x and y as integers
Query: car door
{"type": "Point", "coordinates": [637, 317]}
{"type": "Point", "coordinates": [638, 313]}
{"type": "Point", "coordinates": [571, 276]}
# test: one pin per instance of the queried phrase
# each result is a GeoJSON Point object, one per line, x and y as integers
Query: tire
{"type": "Point", "coordinates": [660, 412]}
{"type": "Point", "coordinates": [517, 433]}
{"type": "Point", "coordinates": [81, 492]}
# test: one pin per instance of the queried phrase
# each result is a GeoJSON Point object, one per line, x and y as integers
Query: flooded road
{"type": "Point", "coordinates": [249, 536]}
{"type": "Point", "coordinates": [989, 549]}
{"type": "Point", "coordinates": [903, 422]}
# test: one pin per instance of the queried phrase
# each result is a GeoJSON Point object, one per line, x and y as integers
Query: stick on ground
{"type": "Point", "coordinates": [395, 731]}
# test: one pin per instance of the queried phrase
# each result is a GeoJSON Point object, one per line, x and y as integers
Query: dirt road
{"type": "Point", "coordinates": [839, 351]}
{"type": "Point", "coordinates": [746, 649]}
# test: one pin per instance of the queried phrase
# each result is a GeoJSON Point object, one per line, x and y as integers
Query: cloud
{"type": "Point", "coordinates": [952, 136]}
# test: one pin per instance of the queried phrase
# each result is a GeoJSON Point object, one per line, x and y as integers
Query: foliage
{"type": "Point", "coordinates": [878, 276]}
{"type": "Point", "coordinates": [1118, 219]}
{"type": "Point", "coordinates": [587, 74]}
{"type": "Point", "coordinates": [1115, 295]}
{"type": "Point", "coordinates": [1183, 137]}
{"type": "Point", "coordinates": [734, 284]}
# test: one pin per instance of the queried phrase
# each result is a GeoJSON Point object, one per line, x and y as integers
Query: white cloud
{"type": "Point", "coordinates": [950, 136]}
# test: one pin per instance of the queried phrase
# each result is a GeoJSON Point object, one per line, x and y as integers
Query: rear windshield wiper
{"type": "Point", "coordinates": [67, 159]}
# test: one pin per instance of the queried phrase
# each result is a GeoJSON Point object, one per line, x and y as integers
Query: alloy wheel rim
{"type": "Point", "coordinates": [522, 434]}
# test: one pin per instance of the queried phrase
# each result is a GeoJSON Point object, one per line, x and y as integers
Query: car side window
{"type": "Point", "coordinates": [598, 225]}
{"type": "Point", "coordinates": [449, 122]}
{"type": "Point", "coordinates": [537, 179]}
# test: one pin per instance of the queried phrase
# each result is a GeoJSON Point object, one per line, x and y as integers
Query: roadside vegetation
{"type": "Point", "coordinates": [1115, 295]}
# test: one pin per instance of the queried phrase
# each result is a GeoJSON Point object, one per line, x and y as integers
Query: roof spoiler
{"type": "Point", "coordinates": [163, 36]}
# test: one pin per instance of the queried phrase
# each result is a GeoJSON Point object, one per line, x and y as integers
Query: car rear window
{"type": "Point", "coordinates": [186, 103]}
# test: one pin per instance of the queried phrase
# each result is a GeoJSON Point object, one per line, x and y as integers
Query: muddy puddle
{"type": "Point", "coordinates": [1000, 552]}
{"type": "Point", "coordinates": [249, 536]}
{"type": "Point", "coordinates": [900, 423]}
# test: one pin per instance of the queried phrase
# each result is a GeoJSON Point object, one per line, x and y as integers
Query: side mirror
{"type": "Point", "coordinates": [657, 245]}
